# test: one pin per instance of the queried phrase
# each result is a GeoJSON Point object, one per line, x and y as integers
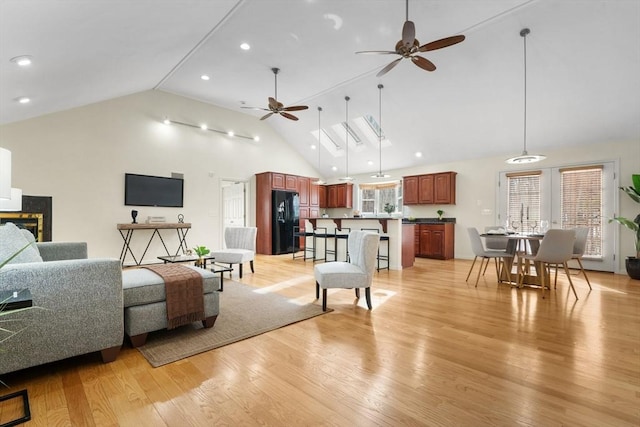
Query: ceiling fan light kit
{"type": "Point", "coordinates": [380, 174]}
{"type": "Point", "coordinates": [276, 107]}
{"type": "Point", "coordinates": [525, 157]}
{"type": "Point", "coordinates": [409, 47]}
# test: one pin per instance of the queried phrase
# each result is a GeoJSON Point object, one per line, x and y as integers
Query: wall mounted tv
{"type": "Point", "coordinates": [145, 190]}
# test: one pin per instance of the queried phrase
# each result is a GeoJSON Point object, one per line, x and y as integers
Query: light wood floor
{"type": "Point", "coordinates": [434, 351]}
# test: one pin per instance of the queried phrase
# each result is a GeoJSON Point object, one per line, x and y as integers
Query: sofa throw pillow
{"type": "Point", "coordinates": [11, 241]}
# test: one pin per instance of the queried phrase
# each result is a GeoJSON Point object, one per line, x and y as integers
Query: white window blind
{"type": "Point", "coordinates": [523, 201]}
{"type": "Point", "coordinates": [582, 204]}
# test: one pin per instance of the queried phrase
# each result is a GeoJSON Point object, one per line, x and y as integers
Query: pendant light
{"type": "Point", "coordinates": [346, 145]}
{"type": "Point", "coordinates": [380, 174]}
{"type": "Point", "coordinates": [525, 157]}
{"type": "Point", "coordinates": [319, 181]}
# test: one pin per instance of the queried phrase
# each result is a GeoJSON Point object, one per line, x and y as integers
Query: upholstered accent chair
{"type": "Point", "coordinates": [355, 274]}
{"type": "Point", "coordinates": [240, 247]}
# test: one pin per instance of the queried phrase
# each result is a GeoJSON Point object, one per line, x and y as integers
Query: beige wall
{"type": "Point", "coordinates": [80, 156]}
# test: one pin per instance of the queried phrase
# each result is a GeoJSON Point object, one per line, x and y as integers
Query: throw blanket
{"type": "Point", "coordinates": [184, 293]}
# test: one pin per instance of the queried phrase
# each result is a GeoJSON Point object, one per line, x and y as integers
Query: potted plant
{"type": "Point", "coordinates": [201, 251]}
{"type": "Point", "coordinates": [632, 263]}
{"type": "Point", "coordinates": [389, 208]}
{"type": "Point", "coordinates": [440, 212]}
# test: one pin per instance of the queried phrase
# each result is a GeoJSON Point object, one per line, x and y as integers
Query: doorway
{"type": "Point", "coordinates": [233, 203]}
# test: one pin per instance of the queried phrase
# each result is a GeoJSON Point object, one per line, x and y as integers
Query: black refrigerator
{"type": "Point", "coordinates": [285, 215]}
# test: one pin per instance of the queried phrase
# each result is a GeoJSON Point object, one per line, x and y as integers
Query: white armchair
{"type": "Point", "coordinates": [357, 273]}
{"type": "Point", "coordinates": [240, 247]}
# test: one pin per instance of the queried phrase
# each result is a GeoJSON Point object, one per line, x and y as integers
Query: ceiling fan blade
{"type": "Point", "coordinates": [423, 63]}
{"type": "Point", "coordinates": [256, 108]}
{"type": "Point", "coordinates": [295, 108]}
{"type": "Point", "coordinates": [273, 104]}
{"type": "Point", "coordinates": [266, 116]}
{"type": "Point", "coordinates": [376, 52]}
{"type": "Point", "coordinates": [386, 69]}
{"type": "Point", "coordinates": [408, 33]}
{"type": "Point", "coordinates": [288, 116]}
{"type": "Point", "coordinates": [439, 44]}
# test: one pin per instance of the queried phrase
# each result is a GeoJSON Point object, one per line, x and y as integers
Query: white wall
{"type": "Point", "coordinates": [476, 189]}
{"type": "Point", "coordinates": [80, 156]}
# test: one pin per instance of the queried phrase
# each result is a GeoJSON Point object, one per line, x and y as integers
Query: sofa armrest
{"type": "Point", "coordinates": [78, 310]}
{"type": "Point", "coordinates": [56, 251]}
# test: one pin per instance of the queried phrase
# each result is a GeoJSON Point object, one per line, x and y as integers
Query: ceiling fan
{"type": "Point", "coordinates": [409, 47]}
{"type": "Point", "coordinates": [276, 107]}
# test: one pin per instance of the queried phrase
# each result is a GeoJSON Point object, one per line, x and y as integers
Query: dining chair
{"type": "Point", "coordinates": [579, 247]}
{"type": "Point", "coordinates": [486, 254]}
{"type": "Point", "coordinates": [556, 248]}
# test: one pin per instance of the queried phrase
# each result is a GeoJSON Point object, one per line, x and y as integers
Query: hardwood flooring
{"type": "Point", "coordinates": [434, 351]}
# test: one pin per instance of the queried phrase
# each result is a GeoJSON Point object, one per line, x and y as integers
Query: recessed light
{"type": "Point", "coordinates": [245, 46]}
{"type": "Point", "coordinates": [166, 121]}
{"type": "Point", "coordinates": [369, 162]}
{"type": "Point", "coordinates": [23, 100]}
{"type": "Point", "coordinates": [205, 77]}
{"type": "Point", "coordinates": [203, 126]}
{"type": "Point", "coordinates": [418, 153]}
{"type": "Point", "coordinates": [334, 168]}
{"type": "Point", "coordinates": [22, 60]}
{"type": "Point", "coordinates": [256, 138]}
{"type": "Point", "coordinates": [230, 133]}
{"type": "Point", "coordinates": [313, 146]}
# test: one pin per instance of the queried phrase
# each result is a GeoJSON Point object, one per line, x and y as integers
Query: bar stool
{"type": "Point", "coordinates": [381, 257]}
{"type": "Point", "coordinates": [320, 233]}
{"type": "Point", "coordinates": [298, 234]}
{"type": "Point", "coordinates": [343, 234]}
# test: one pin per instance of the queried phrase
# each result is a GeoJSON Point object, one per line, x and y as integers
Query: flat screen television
{"type": "Point", "coordinates": [145, 190]}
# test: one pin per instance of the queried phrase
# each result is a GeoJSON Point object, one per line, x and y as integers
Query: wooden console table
{"type": "Point", "coordinates": [126, 231]}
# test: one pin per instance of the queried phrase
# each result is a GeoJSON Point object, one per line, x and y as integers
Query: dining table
{"type": "Point", "coordinates": [518, 244]}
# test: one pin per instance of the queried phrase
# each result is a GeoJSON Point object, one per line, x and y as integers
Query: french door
{"type": "Point", "coordinates": [565, 197]}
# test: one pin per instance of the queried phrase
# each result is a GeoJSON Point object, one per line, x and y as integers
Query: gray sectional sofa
{"type": "Point", "coordinates": [78, 303]}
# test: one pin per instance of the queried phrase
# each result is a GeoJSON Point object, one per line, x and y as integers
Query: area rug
{"type": "Point", "coordinates": [244, 312]}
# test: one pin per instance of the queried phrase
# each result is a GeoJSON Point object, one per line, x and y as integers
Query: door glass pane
{"type": "Point", "coordinates": [523, 203]}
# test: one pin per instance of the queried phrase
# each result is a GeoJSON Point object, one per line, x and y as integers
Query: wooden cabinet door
{"type": "Point", "coordinates": [425, 189]}
{"type": "Point", "coordinates": [345, 195]}
{"type": "Point", "coordinates": [410, 190]}
{"type": "Point", "coordinates": [425, 240]}
{"type": "Point", "coordinates": [417, 240]}
{"type": "Point", "coordinates": [314, 194]}
{"type": "Point", "coordinates": [322, 196]}
{"type": "Point", "coordinates": [303, 190]}
{"type": "Point", "coordinates": [332, 196]}
{"type": "Point", "coordinates": [291, 182]}
{"type": "Point", "coordinates": [436, 243]}
{"type": "Point", "coordinates": [444, 188]}
{"type": "Point", "coordinates": [277, 181]}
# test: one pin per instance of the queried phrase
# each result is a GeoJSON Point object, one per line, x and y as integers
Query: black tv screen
{"type": "Point", "coordinates": [145, 190]}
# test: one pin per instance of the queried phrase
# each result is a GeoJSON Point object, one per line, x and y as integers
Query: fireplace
{"type": "Point", "coordinates": [35, 217]}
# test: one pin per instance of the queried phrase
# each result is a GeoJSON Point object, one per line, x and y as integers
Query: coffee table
{"type": "Point", "coordinates": [185, 258]}
{"type": "Point", "coordinates": [218, 268]}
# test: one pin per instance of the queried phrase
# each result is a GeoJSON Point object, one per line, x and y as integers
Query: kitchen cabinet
{"type": "Point", "coordinates": [303, 184]}
{"type": "Point", "coordinates": [291, 182]}
{"type": "Point", "coordinates": [435, 240]}
{"type": "Point", "coordinates": [339, 196]}
{"type": "Point", "coordinates": [430, 189]}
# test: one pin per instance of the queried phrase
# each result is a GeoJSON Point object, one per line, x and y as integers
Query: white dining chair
{"type": "Point", "coordinates": [556, 248]}
{"type": "Point", "coordinates": [486, 254]}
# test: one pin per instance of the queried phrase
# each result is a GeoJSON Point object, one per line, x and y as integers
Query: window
{"type": "Point", "coordinates": [523, 201]}
{"type": "Point", "coordinates": [581, 195]}
{"type": "Point", "coordinates": [374, 197]}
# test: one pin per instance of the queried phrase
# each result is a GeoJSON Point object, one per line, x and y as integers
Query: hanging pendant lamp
{"type": "Point", "coordinates": [346, 145]}
{"type": "Point", "coordinates": [525, 157]}
{"type": "Point", "coordinates": [380, 174]}
{"type": "Point", "coordinates": [319, 181]}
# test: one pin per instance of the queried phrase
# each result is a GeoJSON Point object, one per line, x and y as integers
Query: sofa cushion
{"type": "Point", "coordinates": [12, 240]}
{"type": "Point", "coordinates": [141, 286]}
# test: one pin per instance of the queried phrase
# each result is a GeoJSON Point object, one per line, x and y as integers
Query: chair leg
{"type": "Point", "coordinates": [485, 267]}
{"type": "Point", "coordinates": [240, 270]}
{"type": "Point", "coordinates": [471, 269]}
{"type": "Point", "coordinates": [566, 270]}
{"type": "Point", "coordinates": [324, 299]}
{"type": "Point", "coordinates": [479, 271]}
{"type": "Point", "coordinates": [357, 292]}
{"type": "Point", "coordinates": [251, 264]}
{"type": "Point", "coordinates": [317, 290]}
{"type": "Point", "coordinates": [584, 272]}
{"type": "Point", "coordinates": [367, 294]}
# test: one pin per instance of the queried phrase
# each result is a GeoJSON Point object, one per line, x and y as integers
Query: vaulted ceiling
{"type": "Point", "coordinates": [583, 63]}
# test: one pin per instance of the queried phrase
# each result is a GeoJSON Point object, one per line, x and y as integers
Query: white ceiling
{"type": "Point", "coordinates": [583, 68]}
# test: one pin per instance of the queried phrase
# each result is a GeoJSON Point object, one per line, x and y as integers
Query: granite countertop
{"type": "Point", "coordinates": [427, 220]}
